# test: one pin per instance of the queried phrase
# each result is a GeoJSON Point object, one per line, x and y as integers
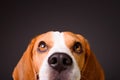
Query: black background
{"type": "Point", "coordinates": [98, 21]}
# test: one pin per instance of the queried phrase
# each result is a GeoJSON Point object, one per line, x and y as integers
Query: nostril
{"type": "Point", "coordinates": [67, 61]}
{"type": "Point", "coordinates": [53, 61]}
{"type": "Point", "coordinates": [64, 61]}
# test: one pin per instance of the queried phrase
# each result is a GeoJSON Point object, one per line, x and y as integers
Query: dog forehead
{"type": "Point", "coordinates": [60, 38]}
{"type": "Point", "coordinates": [66, 37]}
{"type": "Point", "coordinates": [70, 36]}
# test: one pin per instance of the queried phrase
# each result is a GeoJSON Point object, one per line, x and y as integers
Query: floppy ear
{"type": "Point", "coordinates": [92, 69]}
{"type": "Point", "coordinates": [24, 69]}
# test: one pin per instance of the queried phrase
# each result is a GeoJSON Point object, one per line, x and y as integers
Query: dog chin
{"type": "Point", "coordinates": [64, 75]}
{"type": "Point", "coordinates": [59, 76]}
{"type": "Point", "coordinates": [68, 74]}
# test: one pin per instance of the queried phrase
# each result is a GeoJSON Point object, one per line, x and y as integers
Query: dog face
{"type": "Point", "coordinates": [57, 56]}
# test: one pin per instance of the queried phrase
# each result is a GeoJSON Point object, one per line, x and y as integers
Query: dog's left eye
{"type": "Point", "coordinates": [77, 47]}
{"type": "Point", "coordinates": [42, 47]}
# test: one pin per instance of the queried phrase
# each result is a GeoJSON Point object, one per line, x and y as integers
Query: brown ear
{"type": "Point", "coordinates": [24, 69]}
{"type": "Point", "coordinates": [92, 69]}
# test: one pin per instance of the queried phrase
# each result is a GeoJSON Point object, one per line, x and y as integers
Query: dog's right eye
{"type": "Point", "coordinates": [42, 47]}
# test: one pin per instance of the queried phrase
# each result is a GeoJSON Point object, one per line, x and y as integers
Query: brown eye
{"type": "Point", "coordinates": [42, 47]}
{"type": "Point", "coordinates": [77, 47]}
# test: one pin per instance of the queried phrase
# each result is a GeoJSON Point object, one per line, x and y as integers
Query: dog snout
{"type": "Point", "coordinates": [60, 61]}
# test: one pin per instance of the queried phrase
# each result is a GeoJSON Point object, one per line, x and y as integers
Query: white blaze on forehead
{"type": "Point", "coordinates": [59, 43]}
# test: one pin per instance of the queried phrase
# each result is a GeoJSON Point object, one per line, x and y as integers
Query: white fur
{"type": "Point", "coordinates": [59, 46]}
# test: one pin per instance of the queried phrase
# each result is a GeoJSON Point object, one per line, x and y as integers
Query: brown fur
{"type": "Point", "coordinates": [24, 69]}
{"type": "Point", "coordinates": [28, 66]}
{"type": "Point", "coordinates": [92, 69]}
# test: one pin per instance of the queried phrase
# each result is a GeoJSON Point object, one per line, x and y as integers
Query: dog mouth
{"type": "Point", "coordinates": [59, 76]}
{"type": "Point", "coordinates": [68, 74]}
{"type": "Point", "coordinates": [56, 76]}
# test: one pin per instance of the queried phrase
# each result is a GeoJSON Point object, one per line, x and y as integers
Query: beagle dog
{"type": "Point", "coordinates": [58, 55]}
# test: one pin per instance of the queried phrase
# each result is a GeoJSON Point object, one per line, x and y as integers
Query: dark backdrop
{"type": "Point", "coordinates": [98, 21]}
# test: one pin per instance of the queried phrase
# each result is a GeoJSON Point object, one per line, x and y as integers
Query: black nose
{"type": "Point", "coordinates": [60, 61]}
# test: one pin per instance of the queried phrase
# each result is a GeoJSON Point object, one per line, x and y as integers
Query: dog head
{"type": "Point", "coordinates": [58, 56]}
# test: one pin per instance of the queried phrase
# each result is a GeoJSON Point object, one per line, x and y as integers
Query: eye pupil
{"type": "Point", "coordinates": [77, 46]}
